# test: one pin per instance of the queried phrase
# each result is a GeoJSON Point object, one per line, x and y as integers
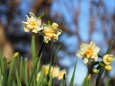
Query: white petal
{"type": "Point", "coordinates": [96, 57]}
{"type": "Point", "coordinates": [24, 23]}
{"type": "Point", "coordinates": [39, 28]}
{"type": "Point", "coordinates": [84, 46]}
{"type": "Point", "coordinates": [59, 32]}
{"type": "Point", "coordinates": [97, 49]}
{"type": "Point", "coordinates": [54, 25]}
{"type": "Point", "coordinates": [28, 19]}
{"type": "Point", "coordinates": [38, 22]}
{"type": "Point", "coordinates": [26, 30]}
{"type": "Point", "coordinates": [31, 14]}
{"type": "Point", "coordinates": [79, 54]}
{"type": "Point", "coordinates": [35, 31]}
{"type": "Point", "coordinates": [85, 60]}
{"type": "Point", "coordinates": [29, 26]}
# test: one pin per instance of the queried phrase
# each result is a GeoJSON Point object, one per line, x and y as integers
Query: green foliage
{"type": "Point", "coordinates": [72, 79]}
{"type": "Point", "coordinates": [16, 71]}
{"type": "Point", "coordinates": [102, 68]}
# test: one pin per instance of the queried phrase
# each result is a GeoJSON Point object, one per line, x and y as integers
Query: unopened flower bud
{"type": "Point", "coordinates": [108, 67]}
{"type": "Point", "coordinates": [16, 55]}
{"type": "Point", "coordinates": [95, 70]}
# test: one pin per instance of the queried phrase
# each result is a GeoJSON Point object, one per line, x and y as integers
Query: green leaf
{"type": "Point", "coordinates": [87, 80]}
{"type": "Point", "coordinates": [14, 83]}
{"type": "Point", "coordinates": [11, 70]}
{"type": "Point", "coordinates": [50, 82]}
{"type": "Point", "coordinates": [72, 79]}
{"type": "Point", "coordinates": [33, 48]}
{"type": "Point", "coordinates": [21, 68]}
{"type": "Point", "coordinates": [56, 53]}
{"type": "Point", "coordinates": [17, 78]}
{"type": "Point", "coordinates": [99, 76]}
{"type": "Point", "coordinates": [109, 48]}
{"type": "Point", "coordinates": [1, 78]}
{"type": "Point", "coordinates": [5, 73]}
{"type": "Point", "coordinates": [25, 72]}
{"type": "Point", "coordinates": [107, 82]}
{"type": "Point", "coordinates": [63, 82]}
{"type": "Point", "coordinates": [34, 72]}
{"type": "Point", "coordinates": [42, 15]}
{"type": "Point", "coordinates": [41, 77]}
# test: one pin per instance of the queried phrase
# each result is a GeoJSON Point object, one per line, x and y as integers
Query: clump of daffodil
{"type": "Point", "coordinates": [107, 59]}
{"type": "Point", "coordinates": [89, 52]}
{"type": "Point", "coordinates": [33, 24]}
{"type": "Point", "coordinates": [55, 72]}
{"type": "Point", "coordinates": [51, 32]}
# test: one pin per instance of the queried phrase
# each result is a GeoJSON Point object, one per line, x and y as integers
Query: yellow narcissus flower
{"type": "Point", "coordinates": [108, 67]}
{"type": "Point", "coordinates": [46, 69]}
{"type": "Point", "coordinates": [33, 24]}
{"type": "Point", "coordinates": [54, 71]}
{"type": "Point", "coordinates": [61, 74]}
{"type": "Point", "coordinates": [108, 58]}
{"type": "Point", "coordinates": [51, 33]}
{"type": "Point", "coordinates": [88, 52]}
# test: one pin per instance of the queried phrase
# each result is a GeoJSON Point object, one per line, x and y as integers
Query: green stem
{"type": "Point", "coordinates": [39, 54]}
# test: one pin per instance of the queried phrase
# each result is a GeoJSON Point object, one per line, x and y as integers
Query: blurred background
{"type": "Point", "coordinates": [80, 20]}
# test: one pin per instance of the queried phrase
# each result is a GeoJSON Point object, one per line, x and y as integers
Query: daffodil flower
{"type": "Point", "coordinates": [61, 74]}
{"type": "Point", "coordinates": [51, 32]}
{"type": "Point", "coordinates": [54, 71]}
{"type": "Point", "coordinates": [89, 52]}
{"type": "Point", "coordinates": [108, 58]}
{"type": "Point", "coordinates": [33, 24]}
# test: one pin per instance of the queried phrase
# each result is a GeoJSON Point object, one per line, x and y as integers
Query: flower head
{"type": "Point", "coordinates": [61, 74]}
{"type": "Point", "coordinates": [108, 58]}
{"type": "Point", "coordinates": [88, 52]}
{"type": "Point", "coordinates": [54, 71]}
{"type": "Point", "coordinates": [33, 24]}
{"type": "Point", "coordinates": [51, 33]}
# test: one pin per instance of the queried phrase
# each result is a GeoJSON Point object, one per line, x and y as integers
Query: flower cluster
{"type": "Point", "coordinates": [89, 53]}
{"type": "Point", "coordinates": [35, 25]}
{"type": "Point", "coordinates": [54, 71]}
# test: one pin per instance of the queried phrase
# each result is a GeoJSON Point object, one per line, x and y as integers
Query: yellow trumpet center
{"type": "Point", "coordinates": [46, 70]}
{"type": "Point", "coordinates": [89, 52]}
{"type": "Point", "coordinates": [109, 59]}
{"type": "Point", "coordinates": [33, 23]}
